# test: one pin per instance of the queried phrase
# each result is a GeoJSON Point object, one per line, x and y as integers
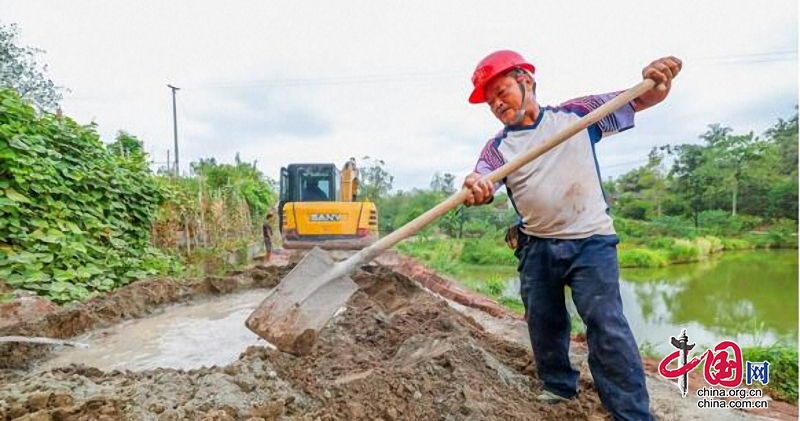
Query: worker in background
{"type": "Point", "coordinates": [267, 232]}
{"type": "Point", "coordinates": [566, 236]}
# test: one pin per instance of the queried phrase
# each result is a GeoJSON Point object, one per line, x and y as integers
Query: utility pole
{"type": "Point", "coordinates": [175, 128]}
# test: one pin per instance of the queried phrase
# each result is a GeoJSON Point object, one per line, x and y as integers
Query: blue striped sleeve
{"type": "Point", "coordinates": [490, 159]}
{"type": "Point", "coordinates": [618, 121]}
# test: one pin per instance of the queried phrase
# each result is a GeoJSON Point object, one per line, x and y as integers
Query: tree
{"type": "Point", "coordinates": [126, 144]}
{"type": "Point", "coordinates": [444, 183]}
{"type": "Point", "coordinates": [690, 179]}
{"type": "Point", "coordinates": [728, 157]}
{"type": "Point", "coordinates": [653, 180]}
{"type": "Point", "coordinates": [131, 151]}
{"type": "Point", "coordinates": [20, 71]}
{"type": "Point", "coordinates": [376, 182]}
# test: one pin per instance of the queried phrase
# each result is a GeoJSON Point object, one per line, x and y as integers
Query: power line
{"type": "Point", "coordinates": [333, 80]}
{"type": "Point", "coordinates": [412, 78]}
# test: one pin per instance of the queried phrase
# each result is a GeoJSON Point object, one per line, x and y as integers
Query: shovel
{"type": "Point", "coordinates": [300, 306]}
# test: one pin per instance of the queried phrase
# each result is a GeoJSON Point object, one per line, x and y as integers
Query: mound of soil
{"type": "Point", "coordinates": [396, 352]}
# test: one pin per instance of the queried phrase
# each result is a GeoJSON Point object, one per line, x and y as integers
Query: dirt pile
{"type": "Point", "coordinates": [397, 352]}
{"type": "Point", "coordinates": [400, 353]}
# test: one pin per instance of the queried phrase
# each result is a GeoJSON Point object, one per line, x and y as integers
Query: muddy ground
{"type": "Point", "coordinates": [397, 352]}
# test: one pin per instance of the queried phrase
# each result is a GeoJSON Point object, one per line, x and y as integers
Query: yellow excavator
{"type": "Point", "coordinates": [319, 207]}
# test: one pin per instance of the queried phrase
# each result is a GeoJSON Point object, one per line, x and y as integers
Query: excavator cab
{"type": "Point", "coordinates": [319, 208]}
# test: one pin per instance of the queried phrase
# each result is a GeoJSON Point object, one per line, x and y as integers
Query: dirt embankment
{"type": "Point", "coordinates": [397, 352]}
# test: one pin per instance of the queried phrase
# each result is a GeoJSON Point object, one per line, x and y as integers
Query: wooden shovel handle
{"type": "Point", "coordinates": [499, 174]}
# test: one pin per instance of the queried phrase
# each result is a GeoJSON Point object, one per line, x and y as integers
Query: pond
{"type": "Point", "coordinates": [749, 297]}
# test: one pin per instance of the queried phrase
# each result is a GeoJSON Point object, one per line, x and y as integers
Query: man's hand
{"type": "Point", "coordinates": [481, 190]}
{"type": "Point", "coordinates": [662, 71]}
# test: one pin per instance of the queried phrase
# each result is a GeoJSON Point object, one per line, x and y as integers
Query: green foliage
{"type": "Point", "coordinates": [577, 327]}
{"type": "Point", "coordinates": [728, 185]}
{"type": "Point", "coordinates": [648, 350]}
{"type": "Point", "coordinates": [629, 207]}
{"type": "Point", "coordinates": [736, 244]}
{"type": "Point", "coordinates": [483, 252]}
{"type": "Point", "coordinates": [494, 287]}
{"type": "Point", "coordinates": [684, 251]}
{"type": "Point", "coordinates": [74, 217]}
{"type": "Point", "coordinates": [238, 181]}
{"type": "Point", "coordinates": [20, 71]}
{"type": "Point", "coordinates": [641, 258]}
{"type": "Point", "coordinates": [782, 231]}
{"type": "Point", "coordinates": [663, 243]}
{"type": "Point", "coordinates": [376, 182]}
{"type": "Point", "coordinates": [513, 303]}
{"type": "Point", "coordinates": [721, 222]}
{"type": "Point", "coordinates": [782, 369]}
{"type": "Point", "coordinates": [441, 255]}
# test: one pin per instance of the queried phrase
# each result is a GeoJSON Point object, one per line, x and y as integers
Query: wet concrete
{"type": "Point", "coordinates": [186, 336]}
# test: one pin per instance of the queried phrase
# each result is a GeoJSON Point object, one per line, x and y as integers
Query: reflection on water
{"type": "Point", "coordinates": [749, 297]}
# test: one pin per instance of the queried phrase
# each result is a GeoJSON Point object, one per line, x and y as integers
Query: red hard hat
{"type": "Point", "coordinates": [495, 64]}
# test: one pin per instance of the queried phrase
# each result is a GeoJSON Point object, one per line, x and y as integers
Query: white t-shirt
{"type": "Point", "coordinates": [559, 194]}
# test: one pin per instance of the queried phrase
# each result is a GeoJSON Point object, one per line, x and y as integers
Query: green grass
{"type": "Point", "coordinates": [683, 251]}
{"type": "Point", "coordinates": [736, 244]}
{"type": "Point", "coordinates": [782, 369]}
{"type": "Point", "coordinates": [514, 304]}
{"type": "Point", "coordinates": [648, 350]}
{"type": "Point", "coordinates": [642, 258]}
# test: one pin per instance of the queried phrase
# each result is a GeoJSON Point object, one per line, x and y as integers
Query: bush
{"type": "Point", "coordinates": [683, 251]}
{"type": "Point", "coordinates": [494, 287]}
{"type": "Point", "coordinates": [487, 253]}
{"type": "Point", "coordinates": [641, 258]}
{"type": "Point", "coordinates": [661, 243]}
{"type": "Point", "coordinates": [782, 233]}
{"type": "Point", "coordinates": [441, 255]}
{"type": "Point", "coordinates": [673, 226]}
{"type": "Point", "coordinates": [736, 244]}
{"type": "Point", "coordinates": [721, 222]}
{"type": "Point", "coordinates": [782, 369]}
{"type": "Point", "coordinates": [633, 208]}
{"type": "Point", "coordinates": [714, 244]}
{"type": "Point", "coordinates": [75, 216]}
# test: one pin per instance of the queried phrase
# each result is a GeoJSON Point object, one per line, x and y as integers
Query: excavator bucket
{"type": "Point", "coordinates": [300, 306]}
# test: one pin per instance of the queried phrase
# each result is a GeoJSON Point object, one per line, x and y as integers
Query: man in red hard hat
{"type": "Point", "coordinates": [565, 236]}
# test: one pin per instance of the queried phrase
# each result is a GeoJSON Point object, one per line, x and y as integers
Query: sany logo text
{"type": "Point", "coordinates": [325, 217]}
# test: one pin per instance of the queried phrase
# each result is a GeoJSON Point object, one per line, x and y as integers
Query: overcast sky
{"type": "Point", "coordinates": [283, 82]}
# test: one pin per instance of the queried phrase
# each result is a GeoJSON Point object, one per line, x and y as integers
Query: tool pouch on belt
{"type": "Point", "coordinates": [512, 236]}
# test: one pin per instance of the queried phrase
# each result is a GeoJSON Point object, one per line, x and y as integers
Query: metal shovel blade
{"type": "Point", "coordinates": [291, 317]}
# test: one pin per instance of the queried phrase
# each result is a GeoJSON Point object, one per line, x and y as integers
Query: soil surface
{"type": "Point", "coordinates": [396, 352]}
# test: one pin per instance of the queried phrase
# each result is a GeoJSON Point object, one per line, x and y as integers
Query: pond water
{"type": "Point", "coordinates": [749, 297]}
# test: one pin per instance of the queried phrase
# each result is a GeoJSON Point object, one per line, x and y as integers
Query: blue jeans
{"type": "Point", "coordinates": [588, 266]}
